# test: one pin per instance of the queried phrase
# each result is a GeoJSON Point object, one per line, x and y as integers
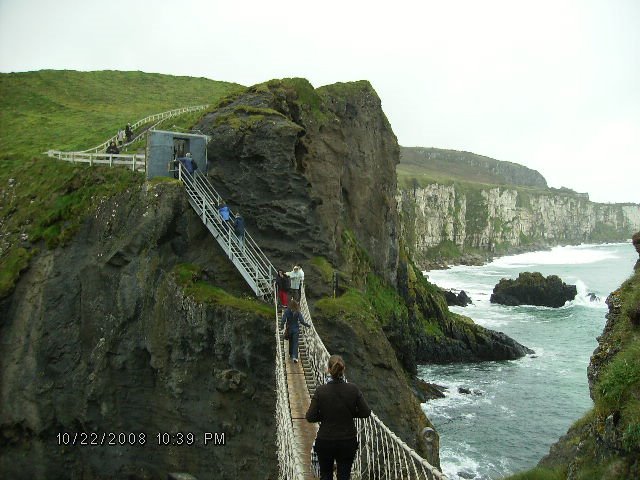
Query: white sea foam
{"type": "Point", "coordinates": [583, 298]}
{"type": "Point", "coordinates": [574, 255]}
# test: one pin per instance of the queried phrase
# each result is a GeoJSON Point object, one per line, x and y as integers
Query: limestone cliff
{"type": "Point", "coordinates": [447, 221]}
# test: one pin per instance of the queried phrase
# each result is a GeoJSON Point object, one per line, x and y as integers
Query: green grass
{"type": "Point", "coordinates": [188, 276]}
{"type": "Point", "coordinates": [539, 473]}
{"type": "Point", "coordinates": [620, 380]}
{"type": "Point", "coordinates": [68, 110]}
{"type": "Point", "coordinates": [324, 267]}
{"type": "Point", "coordinates": [466, 167]}
{"type": "Point", "coordinates": [43, 201]}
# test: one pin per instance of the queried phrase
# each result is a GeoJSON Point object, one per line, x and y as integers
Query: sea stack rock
{"type": "Point", "coordinates": [532, 288]}
{"type": "Point", "coordinates": [460, 299]}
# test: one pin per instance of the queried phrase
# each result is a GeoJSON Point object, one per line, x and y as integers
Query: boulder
{"type": "Point", "coordinates": [532, 288]}
{"type": "Point", "coordinates": [460, 299]}
{"type": "Point", "coordinates": [428, 391]}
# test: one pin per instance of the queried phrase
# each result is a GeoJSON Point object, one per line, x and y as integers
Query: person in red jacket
{"type": "Point", "coordinates": [335, 405]}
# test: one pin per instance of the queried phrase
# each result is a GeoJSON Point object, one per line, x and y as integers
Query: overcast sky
{"type": "Point", "coordinates": [550, 84]}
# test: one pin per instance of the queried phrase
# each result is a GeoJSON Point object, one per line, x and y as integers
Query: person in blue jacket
{"type": "Point", "coordinates": [293, 319]}
{"type": "Point", "coordinates": [188, 163]}
{"type": "Point", "coordinates": [225, 213]}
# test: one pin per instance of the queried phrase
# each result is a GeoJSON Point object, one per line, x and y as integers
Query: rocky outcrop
{"type": "Point", "coordinates": [304, 165]}
{"type": "Point", "coordinates": [436, 335]}
{"type": "Point", "coordinates": [100, 338]}
{"type": "Point", "coordinates": [459, 299]}
{"type": "Point", "coordinates": [448, 221]}
{"type": "Point", "coordinates": [532, 288]}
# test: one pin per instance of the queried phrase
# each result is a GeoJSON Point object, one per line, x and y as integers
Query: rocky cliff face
{"type": "Point", "coordinates": [98, 337]}
{"type": "Point", "coordinates": [302, 165]}
{"type": "Point", "coordinates": [140, 325]}
{"type": "Point", "coordinates": [502, 219]}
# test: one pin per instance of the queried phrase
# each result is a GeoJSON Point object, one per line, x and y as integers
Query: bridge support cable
{"type": "Point", "coordinates": [374, 459]}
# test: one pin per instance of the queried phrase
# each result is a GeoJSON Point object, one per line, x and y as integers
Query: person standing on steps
{"type": "Point", "coordinates": [335, 405]}
{"type": "Point", "coordinates": [238, 226]}
{"type": "Point", "coordinates": [297, 277]}
{"type": "Point", "coordinates": [224, 212]}
{"type": "Point", "coordinates": [282, 284]}
{"type": "Point", "coordinates": [188, 163]}
{"type": "Point", "coordinates": [128, 131]}
{"type": "Point", "coordinates": [293, 318]}
{"type": "Point", "coordinates": [120, 137]}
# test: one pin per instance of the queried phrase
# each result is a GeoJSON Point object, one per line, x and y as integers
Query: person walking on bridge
{"type": "Point", "coordinates": [297, 277]}
{"type": "Point", "coordinates": [293, 318]}
{"type": "Point", "coordinates": [335, 405]}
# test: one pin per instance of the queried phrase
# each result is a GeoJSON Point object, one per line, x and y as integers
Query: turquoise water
{"type": "Point", "coordinates": [523, 406]}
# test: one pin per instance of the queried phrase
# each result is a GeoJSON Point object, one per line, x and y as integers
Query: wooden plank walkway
{"type": "Point", "coordinates": [299, 401]}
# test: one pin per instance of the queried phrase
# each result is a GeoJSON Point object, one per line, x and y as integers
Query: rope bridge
{"type": "Point", "coordinates": [382, 455]}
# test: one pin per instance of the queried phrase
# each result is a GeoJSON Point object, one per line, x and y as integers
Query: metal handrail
{"type": "Point", "coordinates": [249, 256]}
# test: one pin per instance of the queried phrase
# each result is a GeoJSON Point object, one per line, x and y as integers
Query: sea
{"type": "Point", "coordinates": [517, 409]}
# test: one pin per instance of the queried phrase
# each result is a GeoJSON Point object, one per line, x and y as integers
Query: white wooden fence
{"type": "Point", "coordinates": [137, 161]}
{"type": "Point", "coordinates": [157, 117]}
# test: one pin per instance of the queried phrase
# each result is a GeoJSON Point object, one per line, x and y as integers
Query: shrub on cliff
{"type": "Point", "coordinates": [532, 288]}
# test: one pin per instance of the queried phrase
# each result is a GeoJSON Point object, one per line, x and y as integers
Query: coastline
{"type": "Point", "coordinates": [478, 260]}
{"type": "Point", "coordinates": [563, 343]}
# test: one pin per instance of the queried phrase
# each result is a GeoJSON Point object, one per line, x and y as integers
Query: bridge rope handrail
{"type": "Point", "coordinates": [288, 458]}
{"type": "Point", "coordinates": [391, 457]}
{"type": "Point", "coordinates": [158, 117]}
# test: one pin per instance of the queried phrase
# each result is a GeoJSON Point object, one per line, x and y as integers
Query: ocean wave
{"type": "Point", "coordinates": [574, 255]}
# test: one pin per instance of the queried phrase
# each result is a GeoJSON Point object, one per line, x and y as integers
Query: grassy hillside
{"type": "Point", "coordinates": [42, 200]}
{"type": "Point", "coordinates": [69, 110]}
{"type": "Point", "coordinates": [429, 165]}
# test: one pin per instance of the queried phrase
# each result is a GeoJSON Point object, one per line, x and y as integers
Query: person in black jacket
{"type": "Point", "coordinates": [112, 148]}
{"type": "Point", "coordinates": [335, 405]}
{"type": "Point", "coordinates": [293, 319]}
